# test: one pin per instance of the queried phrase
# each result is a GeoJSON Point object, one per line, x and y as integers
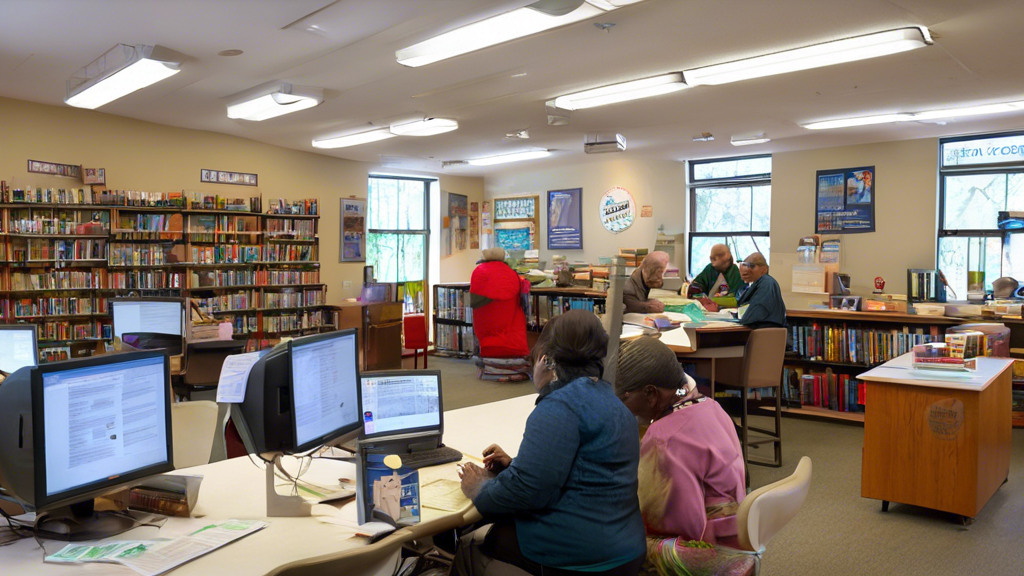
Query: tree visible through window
{"type": "Point", "coordinates": [730, 203]}
{"type": "Point", "coordinates": [396, 239]}
{"type": "Point", "coordinates": [971, 196]}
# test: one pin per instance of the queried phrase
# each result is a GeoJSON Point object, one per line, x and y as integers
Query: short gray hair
{"type": "Point", "coordinates": [757, 259]}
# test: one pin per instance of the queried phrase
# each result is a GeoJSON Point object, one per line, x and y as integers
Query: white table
{"type": "Point", "coordinates": [235, 489]}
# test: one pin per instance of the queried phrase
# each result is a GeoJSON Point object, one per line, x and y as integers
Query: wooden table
{"type": "Point", "coordinates": [708, 345]}
{"type": "Point", "coordinates": [939, 440]}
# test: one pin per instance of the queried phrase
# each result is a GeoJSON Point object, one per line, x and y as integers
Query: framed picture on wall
{"type": "Point", "coordinates": [565, 219]}
{"type": "Point", "coordinates": [845, 201]}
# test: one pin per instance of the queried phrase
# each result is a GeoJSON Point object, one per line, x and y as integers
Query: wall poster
{"type": "Point", "coordinates": [458, 214]}
{"type": "Point", "coordinates": [845, 201]}
{"type": "Point", "coordinates": [514, 235]}
{"type": "Point", "coordinates": [515, 208]}
{"type": "Point", "coordinates": [618, 210]}
{"type": "Point", "coordinates": [565, 219]}
{"type": "Point", "coordinates": [353, 230]}
{"type": "Point", "coordinates": [474, 225]}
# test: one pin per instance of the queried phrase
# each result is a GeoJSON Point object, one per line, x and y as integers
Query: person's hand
{"type": "Point", "coordinates": [495, 459]}
{"type": "Point", "coordinates": [709, 304]}
{"type": "Point", "coordinates": [473, 478]}
{"type": "Point", "coordinates": [656, 306]}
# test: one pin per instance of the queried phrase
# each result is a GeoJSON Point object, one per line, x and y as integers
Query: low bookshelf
{"type": "Point", "coordinates": [453, 321]}
{"type": "Point", "coordinates": [546, 303]}
{"type": "Point", "coordinates": [829, 349]}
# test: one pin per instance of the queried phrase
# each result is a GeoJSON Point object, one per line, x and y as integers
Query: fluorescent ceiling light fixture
{"type": "Point", "coordinates": [285, 99]}
{"type": "Point", "coordinates": [970, 111]}
{"type": "Point", "coordinates": [816, 56]}
{"type": "Point", "coordinates": [623, 92]}
{"type": "Point", "coordinates": [498, 29]}
{"type": "Point", "coordinates": [354, 139]}
{"type": "Point", "coordinates": [928, 115]}
{"type": "Point", "coordinates": [425, 127]}
{"type": "Point", "coordinates": [761, 139]}
{"type": "Point", "coordinates": [505, 158]}
{"type": "Point", "coordinates": [861, 121]}
{"type": "Point", "coordinates": [612, 4]}
{"type": "Point", "coordinates": [118, 72]}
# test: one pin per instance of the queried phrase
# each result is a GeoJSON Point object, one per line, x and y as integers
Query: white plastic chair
{"type": "Point", "coordinates": [193, 426]}
{"type": "Point", "coordinates": [768, 509]}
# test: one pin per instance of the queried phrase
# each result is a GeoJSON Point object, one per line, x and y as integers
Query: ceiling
{"type": "Point", "coordinates": [975, 59]}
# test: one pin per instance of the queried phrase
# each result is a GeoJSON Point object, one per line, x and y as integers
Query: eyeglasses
{"type": "Point", "coordinates": [748, 265]}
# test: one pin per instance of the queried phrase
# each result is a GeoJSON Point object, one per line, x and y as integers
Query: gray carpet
{"type": "Point", "coordinates": [837, 532]}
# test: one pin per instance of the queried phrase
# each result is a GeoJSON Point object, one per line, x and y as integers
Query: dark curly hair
{"type": "Point", "coordinates": [576, 342]}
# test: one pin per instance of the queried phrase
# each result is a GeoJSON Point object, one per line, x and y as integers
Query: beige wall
{"type": "Point", "coordinates": [458, 266]}
{"type": "Point", "coordinates": [657, 183]}
{"type": "Point", "coordinates": [145, 156]}
{"type": "Point", "coordinates": [905, 210]}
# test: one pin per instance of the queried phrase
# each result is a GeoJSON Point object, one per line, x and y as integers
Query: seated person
{"type": "Point", "coordinates": [762, 295]}
{"type": "Point", "coordinates": [719, 278]}
{"type": "Point", "coordinates": [650, 274]}
{"type": "Point", "coordinates": [499, 322]}
{"type": "Point", "coordinates": [567, 503]}
{"type": "Point", "coordinates": [691, 464]}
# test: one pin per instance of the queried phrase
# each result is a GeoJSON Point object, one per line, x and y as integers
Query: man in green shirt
{"type": "Point", "coordinates": [719, 278]}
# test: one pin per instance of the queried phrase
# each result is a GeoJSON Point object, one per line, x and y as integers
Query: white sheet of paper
{"type": "Point", "coordinates": [233, 376]}
{"type": "Point", "coordinates": [634, 318]}
{"type": "Point", "coordinates": [677, 337]}
{"type": "Point", "coordinates": [443, 494]}
{"type": "Point", "coordinates": [631, 331]}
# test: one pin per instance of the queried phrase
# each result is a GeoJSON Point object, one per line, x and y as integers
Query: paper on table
{"type": "Point", "coordinates": [100, 551]}
{"type": "Point", "coordinates": [179, 551]}
{"type": "Point", "coordinates": [631, 331]}
{"type": "Point", "coordinates": [233, 376]}
{"type": "Point", "coordinates": [634, 318]}
{"type": "Point", "coordinates": [443, 494]}
{"type": "Point", "coordinates": [678, 337]}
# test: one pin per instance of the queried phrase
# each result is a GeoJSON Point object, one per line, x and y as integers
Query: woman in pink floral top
{"type": "Point", "coordinates": [691, 474]}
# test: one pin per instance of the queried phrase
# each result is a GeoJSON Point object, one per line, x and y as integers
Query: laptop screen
{"type": "Point", "coordinates": [401, 402]}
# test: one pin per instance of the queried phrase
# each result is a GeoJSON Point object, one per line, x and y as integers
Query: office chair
{"type": "Point", "coordinates": [761, 368]}
{"type": "Point", "coordinates": [203, 361]}
{"type": "Point", "coordinates": [768, 509]}
{"type": "Point", "coordinates": [193, 428]}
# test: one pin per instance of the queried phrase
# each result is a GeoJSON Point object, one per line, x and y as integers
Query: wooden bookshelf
{"type": "Point", "coordinates": [453, 321]}
{"type": "Point", "coordinates": [40, 245]}
{"type": "Point", "coordinates": [548, 302]}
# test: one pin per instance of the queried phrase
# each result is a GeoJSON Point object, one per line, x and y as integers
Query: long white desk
{"type": "Point", "coordinates": [235, 489]}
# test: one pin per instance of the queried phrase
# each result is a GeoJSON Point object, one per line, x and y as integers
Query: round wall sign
{"type": "Point", "coordinates": [618, 210]}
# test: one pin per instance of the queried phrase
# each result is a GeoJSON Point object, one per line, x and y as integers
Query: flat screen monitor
{"type": "Point", "coordinates": [324, 374]}
{"type": "Point", "coordinates": [150, 323]}
{"type": "Point", "coordinates": [100, 422]}
{"type": "Point", "coordinates": [401, 402]}
{"type": "Point", "coordinates": [18, 348]}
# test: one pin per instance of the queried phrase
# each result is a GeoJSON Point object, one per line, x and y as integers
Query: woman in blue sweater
{"type": "Point", "coordinates": [567, 503]}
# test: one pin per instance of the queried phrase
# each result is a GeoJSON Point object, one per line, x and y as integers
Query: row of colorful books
{"type": "Point", "coordinates": [145, 280]}
{"type": "Point", "coordinates": [828, 389]}
{"type": "Point", "coordinates": [297, 229]}
{"type": "Point", "coordinates": [59, 279]}
{"type": "Point", "coordinates": [868, 346]}
{"type": "Point", "coordinates": [308, 206]}
{"type": "Point", "coordinates": [453, 303]}
{"type": "Point", "coordinates": [452, 338]}
{"type": "Point", "coordinates": [73, 330]}
{"type": "Point", "coordinates": [46, 250]}
{"type": "Point", "coordinates": [226, 254]}
{"type": "Point", "coordinates": [40, 225]}
{"type": "Point", "coordinates": [57, 306]}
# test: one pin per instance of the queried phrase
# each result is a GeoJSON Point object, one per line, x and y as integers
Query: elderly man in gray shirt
{"type": "Point", "coordinates": [650, 274]}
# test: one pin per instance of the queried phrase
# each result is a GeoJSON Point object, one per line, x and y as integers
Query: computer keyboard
{"type": "Point", "coordinates": [424, 458]}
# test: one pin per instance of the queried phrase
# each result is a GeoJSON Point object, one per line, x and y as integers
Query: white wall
{"type": "Point", "coordinates": [657, 183]}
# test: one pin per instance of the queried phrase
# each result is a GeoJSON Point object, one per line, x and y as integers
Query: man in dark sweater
{"type": "Point", "coordinates": [760, 303]}
{"type": "Point", "coordinates": [650, 274]}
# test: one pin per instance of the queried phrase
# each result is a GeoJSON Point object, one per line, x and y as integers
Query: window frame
{"type": "Point", "coordinates": [425, 232]}
{"type": "Point", "coordinates": [973, 170]}
{"type": "Point", "coordinates": [750, 180]}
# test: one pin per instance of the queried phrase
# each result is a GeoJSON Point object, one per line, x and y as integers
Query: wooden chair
{"type": "Point", "coordinates": [761, 367]}
{"type": "Point", "coordinates": [193, 427]}
{"type": "Point", "coordinates": [415, 329]}
{"type": "Point", "coordinates": [768, 509]}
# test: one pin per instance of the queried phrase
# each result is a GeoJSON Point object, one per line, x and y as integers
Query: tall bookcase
{"type": "Point", "coordinates": [63, 259]}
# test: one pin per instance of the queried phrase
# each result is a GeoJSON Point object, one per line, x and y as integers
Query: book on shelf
{"type": "Point", "coordinates": [867, 346]}
{"type": "Point", "coordinates": [204, 201]}
{"type": "Point", "coordinates": [453, 338]}
{"type": "Point", "coordinates": [453, 303]}
{"type": "Point", "coordinates": [291, 228]}
{"type": "Point", "coordinates": [305, 207]}
{"type": "Point", "coordinates": [48, 196]}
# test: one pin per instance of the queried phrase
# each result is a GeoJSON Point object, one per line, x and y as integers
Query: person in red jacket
{"type": "Point", "coordinates": [499, 322]}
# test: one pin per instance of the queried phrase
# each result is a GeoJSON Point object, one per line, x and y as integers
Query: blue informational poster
{"type": "Point", "coordinates": [845, 201]}
{"type": "Point", "coordinates": [565, 219]}
{"type": "Point", "coordinates": [513, 238]}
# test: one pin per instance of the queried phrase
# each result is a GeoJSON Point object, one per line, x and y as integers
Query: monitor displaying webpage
{"type": "Point", "coordinates": [104, 421]}
{"type": "Point", "coordinates": [324, 387]}
{"type": "Point", "coordinates": [17, 349]}
{"type": "Point", "coordinates": [147, 317]}
{"type": "Point", "coordinates": [399, 403]}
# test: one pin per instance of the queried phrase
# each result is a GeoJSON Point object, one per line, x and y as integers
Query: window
{"type": "Point", "coordinates": [731, 204]}
{"type": "Point", "coordinates": [980, 177]}
{"type": "Point", "coordinates": [397, 228]}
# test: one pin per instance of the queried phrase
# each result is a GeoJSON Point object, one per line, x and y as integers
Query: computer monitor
{"type": "Point", "coordinates": [325, 388]}
{"type": "Point", "coordinates": [302, 394]}
{"type": "Point", "coordinates": [150, 323]}
{"type": "Point", "coordinates": [73, 430]}
{"type": "Point", "coordinates": [401, 402]}
{"type": "Point", "coordinates": [18, 347]}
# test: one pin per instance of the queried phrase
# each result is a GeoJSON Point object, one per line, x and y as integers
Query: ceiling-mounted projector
{"type": "Point", "coordinates": [601, 143]}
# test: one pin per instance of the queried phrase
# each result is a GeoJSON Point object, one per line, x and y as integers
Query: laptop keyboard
{"type": "Point", "coordinates": [424, 458]}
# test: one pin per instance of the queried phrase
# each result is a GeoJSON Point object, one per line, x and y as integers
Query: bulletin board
{"type": "Point", "coordinates": [516, 221]}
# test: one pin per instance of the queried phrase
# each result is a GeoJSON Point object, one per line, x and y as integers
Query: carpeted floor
{"type": "Point", "coordinates": [837, 532]}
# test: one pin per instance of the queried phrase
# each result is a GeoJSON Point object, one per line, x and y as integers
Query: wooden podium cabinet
{"type": "Point", "coordinates": [935, 439]}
